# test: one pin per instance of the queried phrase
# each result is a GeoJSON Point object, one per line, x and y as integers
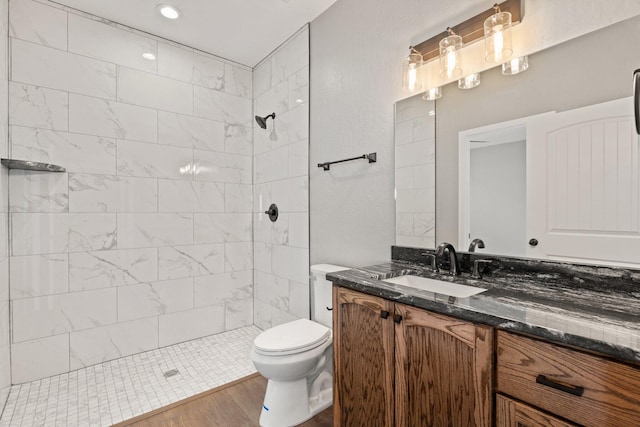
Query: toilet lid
{"type": "Point", "coordinates": [296, 336]}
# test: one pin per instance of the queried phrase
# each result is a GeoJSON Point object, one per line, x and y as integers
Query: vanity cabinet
{"type": "Point", "coordinates": [582, 388]}
{"type": "Point", "coordinates": [397, 365]}
{"type": "Point", "coordinates": [510, 413]}
{"type": "Point", "coordinates": [363, 360]}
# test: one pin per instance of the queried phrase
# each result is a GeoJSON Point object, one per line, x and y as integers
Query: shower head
{"type": "Point", "coordinates": [262, 121]}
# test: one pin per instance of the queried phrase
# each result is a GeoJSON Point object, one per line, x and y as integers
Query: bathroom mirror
{"type": "Point", "coordinates": [493, 187]}
{"type": "Point", "coordinates": [415, 172]}
{"type": "Point", "coordinates": [586, 71]}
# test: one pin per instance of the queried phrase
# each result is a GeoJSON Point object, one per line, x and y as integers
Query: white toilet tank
{"type": "Point", "coordinates": [321, 292]}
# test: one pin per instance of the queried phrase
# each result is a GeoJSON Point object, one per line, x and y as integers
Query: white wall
{"type": "Point", "coordinates": [281, 169]}
{"type": "Point", "coordinates": [356, 50]}
{"type": "Point", "coordinates": [146, 240]}
{"type": "Point", "coordinates": [5, 333]}
{"type": "Point", "coordinates": [498, 197]}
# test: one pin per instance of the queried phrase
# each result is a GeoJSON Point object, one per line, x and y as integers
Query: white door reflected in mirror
{"type": "Point", "coordinates": [493, 187]}
{"type": "Point", "coordinates": [570, 181]}
{"type": "Point", "coordinates": [497, 192]}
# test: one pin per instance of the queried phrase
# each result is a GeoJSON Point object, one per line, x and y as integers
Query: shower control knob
{"type": "Point", "coordinates": [272, 212]}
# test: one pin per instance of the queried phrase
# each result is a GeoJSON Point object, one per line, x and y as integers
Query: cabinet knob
{"type": "Point", "coordinates": [384, 314]}
{"type": "Point", "coordinates": [397, 318]}
{"type": "Point", "coordinates": [533, 242]}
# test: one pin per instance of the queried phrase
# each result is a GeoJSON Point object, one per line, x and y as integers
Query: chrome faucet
{"type": "Point", "coordinates": [476, 243]}
{"type": "Point", "coordinates": [454, 267]}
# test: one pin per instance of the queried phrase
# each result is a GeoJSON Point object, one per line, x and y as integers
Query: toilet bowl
{"type": "Point", "coordinates": [297, 359]}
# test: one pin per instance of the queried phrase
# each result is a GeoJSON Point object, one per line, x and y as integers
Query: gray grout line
{"type": "Point", "coordinates": [133, 385]}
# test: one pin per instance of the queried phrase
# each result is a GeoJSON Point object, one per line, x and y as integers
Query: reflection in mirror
{"type": "Point", "coordinates": [415, 172]}
{"type": "Point", "coordinates": [561, 185]}
{"type": "Point", "coordinates": [496, 196]}
{"type": "Point", "coordinates": [587, 71]}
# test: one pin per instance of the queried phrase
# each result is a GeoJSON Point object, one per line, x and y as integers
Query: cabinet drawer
{"type": "Point", "coordinates": [510, 413]}
{"type": "Point", "coordinates": [586, 389]}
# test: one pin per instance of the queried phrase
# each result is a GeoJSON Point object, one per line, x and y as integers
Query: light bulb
{"type": "Point", "coordinates": [498, 42]}
{"type": "Point", "coordinates": [449, 56]}
{"type": "Point", "coordinates": [497, 36]}
{"type": "Point", "coordinates": [451, 61]}
{"type": "Point", "coordinates": [514, 64]}
{"type": "Point", "coordinates": [412, 78]}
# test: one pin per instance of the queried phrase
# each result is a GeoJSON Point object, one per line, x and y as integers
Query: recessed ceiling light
{"type": "Point", "coordinates": [148, 55]}
{"type": "Point", "coordinates": [168, 11]}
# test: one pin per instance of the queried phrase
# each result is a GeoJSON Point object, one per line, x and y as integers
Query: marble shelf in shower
{"type": "Point", "coordinates": [31, 166]}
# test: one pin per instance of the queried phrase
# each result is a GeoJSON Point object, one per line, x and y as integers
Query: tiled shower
{"type": "Point", "coordinates": [281, 176]}
{"type": "Point", "coordinates": [156, 234]}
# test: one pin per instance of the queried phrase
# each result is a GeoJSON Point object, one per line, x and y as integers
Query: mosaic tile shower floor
{"type": "Point", "coordinates": [114, 391]}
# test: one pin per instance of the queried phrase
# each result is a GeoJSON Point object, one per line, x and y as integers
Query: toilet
{"type": "Point", "coordinates": [297, 359]}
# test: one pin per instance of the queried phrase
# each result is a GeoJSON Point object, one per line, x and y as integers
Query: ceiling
{"type": "Point", "coordinates": [244, 31]}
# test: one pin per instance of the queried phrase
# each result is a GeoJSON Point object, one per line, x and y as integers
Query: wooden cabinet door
{"type": "Point", "coordinates": [510, 413]}
{"type": "Point", "coordinates": [443, 371]}
{"type": "Point", "coordinates": [363, 358]}
{"type": "Point", "coordinates": [583, 388]}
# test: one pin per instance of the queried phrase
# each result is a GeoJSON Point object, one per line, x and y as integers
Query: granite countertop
{"type": "Point", "coordinates": [593, 308]}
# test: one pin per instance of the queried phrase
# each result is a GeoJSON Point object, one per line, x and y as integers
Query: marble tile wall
{"type": "Point", "coordinates": [146, 241]}
{"type": "Point", "coordinates": [281, 170]}
{"type": "Point", "coordinates": [415, 172]}
{"type": "Point", "coordinates": [5, 332]}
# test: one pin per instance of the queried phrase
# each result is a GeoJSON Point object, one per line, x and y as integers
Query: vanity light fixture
{"type": "Point", "coordinates": [470, 81]}
{"type": "Point", "coordinates": [515, 66]}
{"type": "Point", "coordinates": [432, 94]}
{"type": "Point", "coordinates": [168, 11]}
{"type": "Point", "coordinates": [494, 25]}
{"type": "Point", "coordinates": [148, 55]}
{"type": "Point", "coordinates": [497, 36]}
{"type": "Point", "coordinates": [450, 55]}
{"type": "Point", "coordinates": [411, 65]}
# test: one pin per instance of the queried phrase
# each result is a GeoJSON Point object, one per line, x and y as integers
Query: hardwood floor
{"type": "Point", "coordinates": [236, 404]}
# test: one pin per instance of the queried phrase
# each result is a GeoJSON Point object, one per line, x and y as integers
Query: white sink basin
{"type": "Point", "coordinates": [438, 286]}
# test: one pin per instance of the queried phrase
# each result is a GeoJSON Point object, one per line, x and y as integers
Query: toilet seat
{"type": "Point", "coordinates": [291, 338]}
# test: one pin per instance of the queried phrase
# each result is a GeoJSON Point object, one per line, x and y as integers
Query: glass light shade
{"type": "Point", "coordinates": [412, 64]}
{"type": "Point", "coordinates": [497, 37]}
{"type": "Point", "coordinates": [470, 81]}
{"type": "Point", "coordinates": [450, 56]}
{"type": "Point", "coordinates": [432, 94]}
{"type": "Point", "coordinates": [515, 66]}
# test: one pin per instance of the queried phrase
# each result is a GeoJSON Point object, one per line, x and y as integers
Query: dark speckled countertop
{"type": "Point", "coordinates": [591, 307]}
